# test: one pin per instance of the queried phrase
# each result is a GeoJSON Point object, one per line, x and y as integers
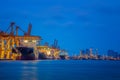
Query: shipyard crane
{"type": "Point", "coordinates": [10, 39]}
{"type": "Point", "coordinates": [28, 33]}
{"type": "Point", "coordinates": [18, 28]}
{"type": "Point", "coordinates": [14, 28]}
{"type": "Point", "coordinates": [29, 29]}
{"type": "Point", "coordinates": [11, 28]}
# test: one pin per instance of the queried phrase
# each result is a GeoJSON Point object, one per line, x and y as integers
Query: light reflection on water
{"type": "Point", "coordinates": [29, 72]}
{"type": "Point", "coordinates": [60, 70]}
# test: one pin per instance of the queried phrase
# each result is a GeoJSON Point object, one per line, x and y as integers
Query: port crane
{"type": "Point", "coordinates": [10, 39]}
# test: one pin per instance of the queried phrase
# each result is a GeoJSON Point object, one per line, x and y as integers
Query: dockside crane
{"type": "Point", "coordinates": [11, 28]}
{"type": "Point", "coordinates": [10, 39]}
{"type": "Point", "coordinates": [29, 29]}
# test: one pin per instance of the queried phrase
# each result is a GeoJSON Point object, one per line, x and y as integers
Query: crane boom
{"type": "Point", "coordinates": [29, 29]}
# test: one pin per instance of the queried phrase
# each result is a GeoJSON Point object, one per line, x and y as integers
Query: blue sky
{"type": "Point", "coordinates": [77, 24]}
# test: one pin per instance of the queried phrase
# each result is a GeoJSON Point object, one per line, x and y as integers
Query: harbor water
{"type": "Point", "coordinates": [60, 70]}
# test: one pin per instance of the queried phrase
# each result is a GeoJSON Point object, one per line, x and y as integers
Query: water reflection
{"type": "Point", "coordinates": [60, 70]}
{"type": "Point", "coordinates": [29, 70]}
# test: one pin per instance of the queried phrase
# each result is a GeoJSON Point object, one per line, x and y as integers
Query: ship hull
{"type": "Point", "coordinates": [42, 56]}
{"type": "Point", "coordinates": [26, 53]}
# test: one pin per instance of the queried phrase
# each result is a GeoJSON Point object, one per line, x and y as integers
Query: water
{"type": "Point", "coordinates": [60, 70]}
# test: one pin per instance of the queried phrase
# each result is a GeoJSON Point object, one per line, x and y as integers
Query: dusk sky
{"type": "Point", "coordinates": [76, 24]}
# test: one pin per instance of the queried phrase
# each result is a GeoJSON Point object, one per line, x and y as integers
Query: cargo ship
{"type": "Point", "coordinates": [17, 47]}
{"type": "Point", "coordinates": [25, 47]}
{"type": "Point", "coordinates": [26, 53]}
{"type": "Point", "coordinates": [49, 52]}
{"type": "Point", "coordinates": [63, 55]}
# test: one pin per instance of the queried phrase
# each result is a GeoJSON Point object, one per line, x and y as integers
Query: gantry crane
{"type": "Point", "coordinates": [10, 39]}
